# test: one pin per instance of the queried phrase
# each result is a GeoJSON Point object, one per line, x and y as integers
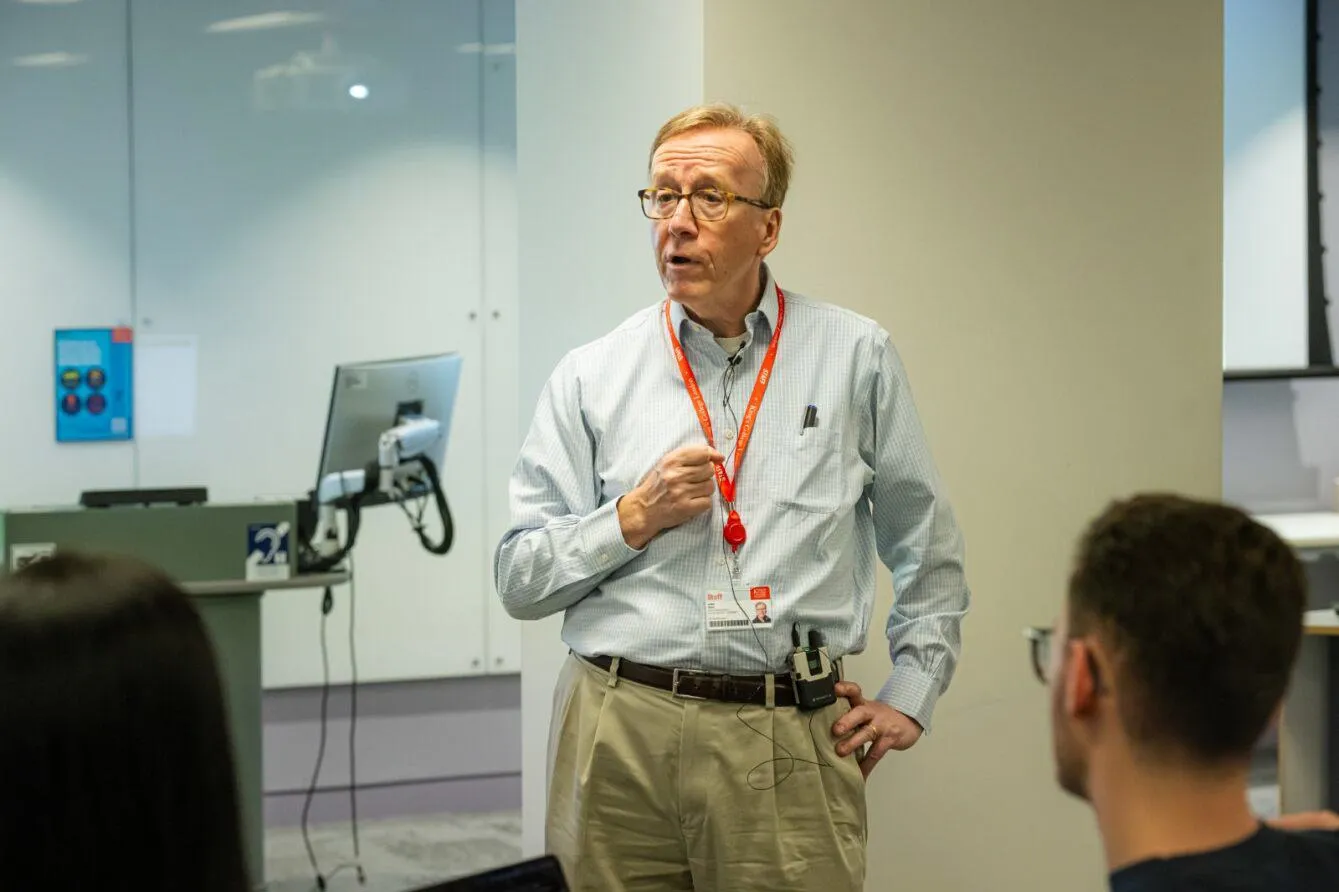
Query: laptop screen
{"type": "Point", "coordinates": [537, 875]}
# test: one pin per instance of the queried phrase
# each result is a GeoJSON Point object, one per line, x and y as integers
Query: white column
{"type": "Point", "coordinates": [594, 81]}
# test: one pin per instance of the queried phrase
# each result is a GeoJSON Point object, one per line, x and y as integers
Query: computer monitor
{"type": "Point", "coordinates": [536, 875]}
{"type": "Point", "coordinates": [369, 398]}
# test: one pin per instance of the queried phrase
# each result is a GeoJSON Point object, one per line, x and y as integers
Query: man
{"type": "Point", "coordinates": [734, 442]}
{"type": "Point", "coordinates": [760, 613]}
{"type": "Point", "coordinates": [1172, 656]}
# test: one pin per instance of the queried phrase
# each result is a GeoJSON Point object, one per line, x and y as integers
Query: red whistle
{"type": "Point", "coordinates": [734, 531]}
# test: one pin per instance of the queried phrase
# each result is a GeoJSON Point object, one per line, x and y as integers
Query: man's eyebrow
{"type": "Point", "coordinates": [699, 181]}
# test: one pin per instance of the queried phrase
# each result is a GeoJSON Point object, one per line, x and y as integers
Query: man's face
{"type": "Point", "coordinates": [697, 259]}
{"type": "Point", "coordinates": [1071, 756]}
{"type": "Point", "coordinates": [762, 610]}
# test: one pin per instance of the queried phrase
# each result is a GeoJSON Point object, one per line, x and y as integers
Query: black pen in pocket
{"type": "Point", "coordinates": [810, 419]}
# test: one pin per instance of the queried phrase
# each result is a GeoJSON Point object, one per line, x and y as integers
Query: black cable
{"type": "Point", "coordinates": [790, 758]}
{"type": "Point", "coordinates": [727, 386]}
{"type": "Point", "coordinates": [417, 484]}
{"type": "Point", "coordinates": [731, 565]}
{"type": "Point", "coordinates": [443, 511]}
{"type": "Point", "coordinates": [415, 517]}
{"type": "Point", "coordinates": [727, 383]}
{"type": "Point", "coordinates": [313, 563]}
{"type": "Point", "coordinates": [433, 485]}
{"type": "Point", "coordinates": [353, 729]}
{"type": "Point", "coordinates": [327, 605]}
{"type": "Point", "coordinates": [1320, 350]}
{"type": "Point", "coordinates": [422, 501]}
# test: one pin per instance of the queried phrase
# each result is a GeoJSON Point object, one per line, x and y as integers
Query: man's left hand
{"type": "Point", "coordinates": [876, 724]}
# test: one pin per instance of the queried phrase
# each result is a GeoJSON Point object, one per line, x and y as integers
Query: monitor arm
{"type": "Point", "coordinates": [400, 455]}
{"type": "Point", "coordinates": [401, 445]}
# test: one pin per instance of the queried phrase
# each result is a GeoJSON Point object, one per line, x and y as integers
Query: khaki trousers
{"type": "Point", "coordinates": [650, 792]}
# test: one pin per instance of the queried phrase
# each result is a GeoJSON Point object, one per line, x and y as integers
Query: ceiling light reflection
{"type": "Point", "coordinates": [266, 21]}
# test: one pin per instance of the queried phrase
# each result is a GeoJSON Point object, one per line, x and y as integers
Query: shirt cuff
{"type": "Point", "coordinates": [912, 692]}
{"type": "Point", "coordinates": [602, 538]}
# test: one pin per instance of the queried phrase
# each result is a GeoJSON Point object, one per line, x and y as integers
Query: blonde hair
{"type": "Point", "coordinates": [777, 156]}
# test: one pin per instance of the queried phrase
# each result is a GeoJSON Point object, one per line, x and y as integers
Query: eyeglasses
{"type": "Point", "coordinates": [1040, 636]}
{"type": "Point", "coordinates": [707, 205]}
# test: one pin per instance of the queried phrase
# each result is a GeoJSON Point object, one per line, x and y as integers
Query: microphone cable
{"type": "Point", "coordinates": [789, 759]}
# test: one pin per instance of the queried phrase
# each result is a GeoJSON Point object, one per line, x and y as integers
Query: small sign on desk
{"type": "Point", "coordinates": [21, 555]}
{"type": "Point", "coordinates": [268, 552]}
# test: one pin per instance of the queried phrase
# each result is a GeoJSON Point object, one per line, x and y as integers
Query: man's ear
{"type": "Point", "coordinates": [771, 232]}
{"type": "Point", "coordinates": [1080, 680]}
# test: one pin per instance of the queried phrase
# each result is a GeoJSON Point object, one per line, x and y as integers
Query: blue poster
{"type": "Point", "coordinates": [94, 384]}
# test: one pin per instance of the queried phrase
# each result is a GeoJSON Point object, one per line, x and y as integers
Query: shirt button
{"type": "Point", "coordinates": [729, 435]}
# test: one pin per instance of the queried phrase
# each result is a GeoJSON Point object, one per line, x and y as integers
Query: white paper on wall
{"type": "Point", "coordinates": [165, 386]}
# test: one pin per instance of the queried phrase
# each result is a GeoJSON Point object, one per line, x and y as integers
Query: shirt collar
{"type": "Point", "coordinates": [765, 313]}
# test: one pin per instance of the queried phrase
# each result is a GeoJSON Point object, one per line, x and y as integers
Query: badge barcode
{"type": "Point", "coordinates": [726, 623]}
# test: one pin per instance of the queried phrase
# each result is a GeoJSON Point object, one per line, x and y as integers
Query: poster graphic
{"type": "Point", "coordinates": [94, 384]}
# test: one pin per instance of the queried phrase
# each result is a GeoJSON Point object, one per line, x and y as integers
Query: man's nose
{"type": "Point", "coordinates": [682, 221]}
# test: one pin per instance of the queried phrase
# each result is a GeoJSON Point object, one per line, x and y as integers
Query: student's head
{"type": "Point", "coordinates": [1178, 637]}
{"type": "Point", "coordinates": [114, 748]}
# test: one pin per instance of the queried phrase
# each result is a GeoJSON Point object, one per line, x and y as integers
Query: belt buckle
{"type": "Point", "coordinates": [674, 686]}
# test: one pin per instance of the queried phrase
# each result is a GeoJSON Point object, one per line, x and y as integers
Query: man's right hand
{"type": "Point", "coordinates": [678, 488]}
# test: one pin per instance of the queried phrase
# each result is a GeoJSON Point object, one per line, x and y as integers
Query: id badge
{"type": "Point", "coordinates": [753, 608]}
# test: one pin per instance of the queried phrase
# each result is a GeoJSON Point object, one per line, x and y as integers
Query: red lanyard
{"type": "Point", "coordinates": [734, 528]}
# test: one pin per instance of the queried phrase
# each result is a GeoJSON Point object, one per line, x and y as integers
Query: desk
{"type": "Point", "coordinates": [1312, 534]}
{"type": "Point", "coordinates": [207, 550]}
{"type": "Point", "coordinates": [1309, 725]}
{"type": "Point", "coordinates": [230, 609]}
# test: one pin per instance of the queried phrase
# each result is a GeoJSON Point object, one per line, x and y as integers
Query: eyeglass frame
{"type": "Point", "coordinates": [730, 198]}
{"type": "Point", "coordinates": [1040, 636]}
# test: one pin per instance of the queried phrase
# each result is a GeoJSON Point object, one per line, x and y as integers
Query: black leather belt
{"type": "Point", "coordinates": [695, 685]}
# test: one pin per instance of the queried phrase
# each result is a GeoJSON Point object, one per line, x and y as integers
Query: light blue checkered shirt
{"type": "Point", "coordinates": [820, 505]}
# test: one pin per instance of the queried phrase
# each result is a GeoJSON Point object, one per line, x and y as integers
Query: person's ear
{"type": "Point", "coordinates": [771, 232]}
{"type": "Point", "coordinates": [1081, 685]}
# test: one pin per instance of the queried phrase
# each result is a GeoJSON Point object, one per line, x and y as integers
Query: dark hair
{"type": "Point", "coordinates": [1202, 607]}
{"type": "Point", "coordinates": [114, 748]}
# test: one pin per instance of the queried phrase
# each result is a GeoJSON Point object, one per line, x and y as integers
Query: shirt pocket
{"type": "Point", "coordinates": [812, 477]}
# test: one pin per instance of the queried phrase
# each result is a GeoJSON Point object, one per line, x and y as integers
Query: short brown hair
{"type": "Point", "coordinates": [1202, 607]}
{"type": "Point", "coordinates": [777, 155]}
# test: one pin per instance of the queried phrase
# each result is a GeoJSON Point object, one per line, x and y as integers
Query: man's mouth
{"type": "Point", "coordinates": [681, 260]}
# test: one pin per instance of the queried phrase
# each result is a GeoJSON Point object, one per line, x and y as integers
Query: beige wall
{"type": "Point", "coordinates": [1027, 194]}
